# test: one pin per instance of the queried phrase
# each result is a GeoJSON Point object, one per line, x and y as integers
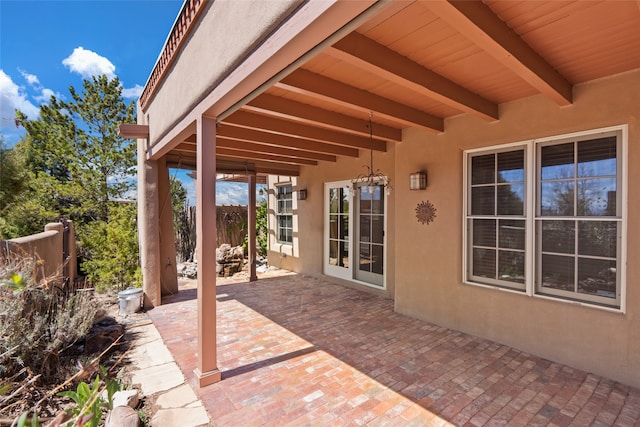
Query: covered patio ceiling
{"type": "Point", "coordinates": [415, 64]}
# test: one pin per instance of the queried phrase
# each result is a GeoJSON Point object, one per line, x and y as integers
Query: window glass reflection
{"type": "Point", "coordinates": [597, 197]}
{"type": "Point", "coordinates": [511, 199]}
{"type": "Point", "coordinates": [483, 200]}
{"type": "Point", "coordinates": [558, 236]}
{"type": "Point", "coordinates": [483, 169]}
{"type": "Point", "coordinates": [597, 157]}
{"type": "Point", "coordinates": [511, 166]}
{"type": "Point", "coordinates": [557, 198]}
{"type": "Point", "coordinates": [557, 161]}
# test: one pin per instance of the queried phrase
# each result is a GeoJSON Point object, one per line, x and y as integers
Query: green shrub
{"type": "Point", "coordinates": [262, 232]}
{"type": "Point", "coordinates": [113, 248]}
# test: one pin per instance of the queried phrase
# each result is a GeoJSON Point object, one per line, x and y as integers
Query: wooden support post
{"type": "Point", "coordinates": [207, 371]}
{"type": "Point", "coordinates": [251, 219]}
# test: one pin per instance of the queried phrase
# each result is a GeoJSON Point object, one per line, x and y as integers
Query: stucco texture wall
{"type": "Point", "coordinates": [428, 270]}
{"type": "Point", "coordinates": [227, 32]}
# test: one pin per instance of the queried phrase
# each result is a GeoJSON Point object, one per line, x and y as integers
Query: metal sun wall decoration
{"type": "Point", "coordinates": [425, 212]}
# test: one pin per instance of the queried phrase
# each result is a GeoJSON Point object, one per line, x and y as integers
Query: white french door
{"type": "Point", "coordinates": [354, 246]}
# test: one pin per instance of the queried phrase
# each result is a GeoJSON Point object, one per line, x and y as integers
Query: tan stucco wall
{"type": "Point", "coordinates": [226, 34]}
{"type": "Point", "coordinates": [428, 275]}
{"type": "Point", "coordinates": [305, 255]}
{"type": "Point", "coordinates": [46, 246]}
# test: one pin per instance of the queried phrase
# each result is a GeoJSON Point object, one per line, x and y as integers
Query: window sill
{"type": "Point", "coordinates": [580, 303]}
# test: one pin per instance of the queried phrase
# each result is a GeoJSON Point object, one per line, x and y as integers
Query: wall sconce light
{"type": "Point", "coordinates": [418, 180]}
{"type": "Point", "coordinates": [302, 194]}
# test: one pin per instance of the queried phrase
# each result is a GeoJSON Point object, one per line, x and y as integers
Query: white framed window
{"type": "Point", "coordinates": [284, 213]}
{"type": "Point", "coordinates": [547, 217]}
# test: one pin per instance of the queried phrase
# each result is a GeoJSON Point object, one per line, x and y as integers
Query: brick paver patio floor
{"type": "Point", "coordinates": [296, 350]}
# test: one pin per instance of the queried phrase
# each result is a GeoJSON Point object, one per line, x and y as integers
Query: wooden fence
{"type": "Point", "coordinates": [231, 224]}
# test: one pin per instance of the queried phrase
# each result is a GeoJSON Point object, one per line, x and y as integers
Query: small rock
{"type": "Point", "coordinates": [126, 398]}
{"type": "Point", "coordinates": [122, 416]}
{"type": "Point", "coordinates": [102, 335]}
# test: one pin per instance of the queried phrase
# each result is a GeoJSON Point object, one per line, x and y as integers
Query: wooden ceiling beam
{"type": "Point", "coordinates": [286, 127]}
{"type": "Point", "coordinates": [270, 149]}
{"type": "Point", "coordinates": [253, 135]}
{"type": "Point", "coordinates": [187, 147]}
{"type": "Point", "coordinates": [377, 59]}
{"type": "Point", "coordinates": [231, 165]}
{"type": "Point", "coordinates": [228, 164]}
{"type": "Point", "coordinates": [476, 21]}
{"type": "Point", "coordinates": [230, 152]}
{"type": "Point", "coordinates": [317, 86]}
{"type": "Point", "coordinates": [282, 107]}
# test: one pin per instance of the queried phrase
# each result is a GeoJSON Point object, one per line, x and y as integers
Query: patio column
{"type": "Point", "coordinates": [168, 270]}
{"type": "Point", "coordinates": [148, 226]}
{"type": "Point", "coordinates": [251, 219]}
{"type": "Point", "coordinates": [207, 371]}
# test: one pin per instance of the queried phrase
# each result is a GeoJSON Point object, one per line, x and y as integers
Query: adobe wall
{"type": "Point", "coordinates": [428, 275]}
{"type": "Point", "coordinates": [48, 247]}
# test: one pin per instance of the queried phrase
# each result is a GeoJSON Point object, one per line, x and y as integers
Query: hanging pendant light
{"type": "Point", "coordinates": [373, 178]}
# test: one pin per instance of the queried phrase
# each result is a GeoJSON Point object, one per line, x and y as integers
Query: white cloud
{"type": "Point", "coordinates": [32, 79]}
{"type": "Point", "coordinates": [45, 95]}
{"type": "Point", "coordinates": [13, 97]}
{"type": "Point", "coordinates": [231, 193]}
{"type": "Point", "coordinates": [88, 64]}
{"type": "Point", "coordinates": [133, 92]}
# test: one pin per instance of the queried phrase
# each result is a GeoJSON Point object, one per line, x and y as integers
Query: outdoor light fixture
{"type": "Point", "coordinates": [371, 180]}
{"type": "Point", "coordinates": [302, 194]}
{"type": "Point", "coordinates": [418, 180]}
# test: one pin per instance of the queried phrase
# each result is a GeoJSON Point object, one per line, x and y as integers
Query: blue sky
{"type": "Point", "coordinates": [47, 46]}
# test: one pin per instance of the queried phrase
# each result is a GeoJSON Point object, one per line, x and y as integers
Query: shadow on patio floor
{"type": "Point", "coordinates": [297, 350]}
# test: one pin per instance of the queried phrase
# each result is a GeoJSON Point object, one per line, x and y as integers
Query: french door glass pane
{"type": "Point", "coordinates": [484, 263]}
{"type": "Point", "coordinates": [344, 230]}
{"type": "Point", "coordinates": [483, 200]}
{"type": "Point", "coordinates": [377, 206]}
{"type": "Point", "coordinates": [376, 259]}
{"type": "Point", "coordinates": [345, 199]}
{"type": "Point", "coordinates": [558, 236]}
{"type": "Point", "coordinates": [597, 157]}
{"type": "Point", "coordinates": [365, 228]}
{"type": "Point", "coordinates": [556, 198]}
{"type": "Point", "coordinates": [597, 197]}
{"type": "Point", "coordinates": [597, 277]}
{"type": "Point", "coordinates": [511, 266]}
{"type": "Point", "coordinates": [558, 272]}
{"type": "Point", "coordinates": [365, 257]}
{"type": "Point", "coordinates": [483, 169]}
{"type": "Point", "coordinates": [484, 232]}
{"type": "Point", "coordinates": [511, 234]}
{"type": "Point", "coordinates": [333, 252]}
{"type": "Point", "coordinates": [557, 161]}
{"type": "Point", "coordinates": [598, 238]}
{"type": "Point", "coordinates": [377, 229]}
{"type": "Point", "coordinates": [344, 254]}
{"type": "Point", "coordinates": [511, 199]}
{"type": "Point", "coordinates": [334, 200]}
{"type": "Point", "coordinates": [333, 226]}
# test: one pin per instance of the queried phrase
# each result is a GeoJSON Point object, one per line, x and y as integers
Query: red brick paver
{"type": "Point", "coordinates": [295, 350]}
